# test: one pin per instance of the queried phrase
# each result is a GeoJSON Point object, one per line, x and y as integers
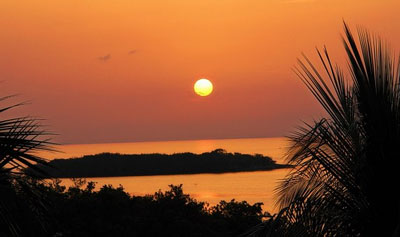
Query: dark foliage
{"type": "Point", "coordinates": [82, 211]}
{"type": "Point", "coordinates": [108, 164]}
{"type": "Point", "coordinates": [20, 138]}
{"type": "Point", "coordinates": [346, 175]}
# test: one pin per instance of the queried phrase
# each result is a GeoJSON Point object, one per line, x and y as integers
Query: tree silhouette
{"type": "Point", "coordinates": [20, 138]}
{"type": "Point", "coordinates": [346, 175]}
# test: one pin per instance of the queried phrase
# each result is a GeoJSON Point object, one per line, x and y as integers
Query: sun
{"type": "Point", "coordinates": [203, 87]}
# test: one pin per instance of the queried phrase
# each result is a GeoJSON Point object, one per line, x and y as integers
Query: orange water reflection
{"type": "Point", "coordinates": [250, 186]}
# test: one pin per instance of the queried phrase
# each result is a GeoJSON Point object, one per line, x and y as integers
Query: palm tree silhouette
{"type": "Point", "coordinates": [346, 176]}
{"type": "Point", "coordinates": [20, 138]}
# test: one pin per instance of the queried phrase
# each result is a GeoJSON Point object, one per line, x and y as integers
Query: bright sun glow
{"type": "Point", "coordinates": [203, 87]}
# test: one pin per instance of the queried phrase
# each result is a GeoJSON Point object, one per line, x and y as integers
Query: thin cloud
{"type": "Point", "coordinates": [132, 51]}
{"type": "Point", "coordinates": [105, 58]}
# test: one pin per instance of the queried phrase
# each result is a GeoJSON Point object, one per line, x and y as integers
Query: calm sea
{"type": "Point", "coordinates": [250, 186]}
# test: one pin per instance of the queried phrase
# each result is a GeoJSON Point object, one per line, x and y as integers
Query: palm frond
{"type": "Point", "coordinates": [20, 139]}
{"type": "Point", "coordinates": [346, 164]}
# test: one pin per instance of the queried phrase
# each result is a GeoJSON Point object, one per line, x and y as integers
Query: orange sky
{"type": "Point", "coordinates": [143, 91]}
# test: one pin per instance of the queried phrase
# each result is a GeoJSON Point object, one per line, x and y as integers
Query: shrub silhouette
{"type": "Point", "coordinates": [82, 211]}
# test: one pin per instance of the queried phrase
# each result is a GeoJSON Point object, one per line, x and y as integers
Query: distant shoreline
{"type": "Point", "coordinates": [121, 165]}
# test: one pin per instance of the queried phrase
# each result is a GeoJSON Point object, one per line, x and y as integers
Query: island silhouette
{"type": "Point", "coordinates": [115, 164]}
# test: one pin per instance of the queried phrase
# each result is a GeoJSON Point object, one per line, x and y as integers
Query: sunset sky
{"type": "Point", "coordinates": [123, 70]}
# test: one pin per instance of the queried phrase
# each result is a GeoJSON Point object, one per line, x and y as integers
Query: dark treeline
{"type": "Point", "coordinates": [114, 164]}
{"type": "Point", "coordinates": [80, 210]}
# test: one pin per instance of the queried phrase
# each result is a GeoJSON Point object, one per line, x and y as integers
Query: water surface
{"type": "Point", "coordinates": [253, 187]}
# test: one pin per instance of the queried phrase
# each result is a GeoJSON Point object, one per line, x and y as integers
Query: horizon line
{"type": "Point", "coordinates": [175, 140]}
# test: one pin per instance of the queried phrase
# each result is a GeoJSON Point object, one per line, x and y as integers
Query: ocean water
{"type": "Point", "coordinates": [252, 187]}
